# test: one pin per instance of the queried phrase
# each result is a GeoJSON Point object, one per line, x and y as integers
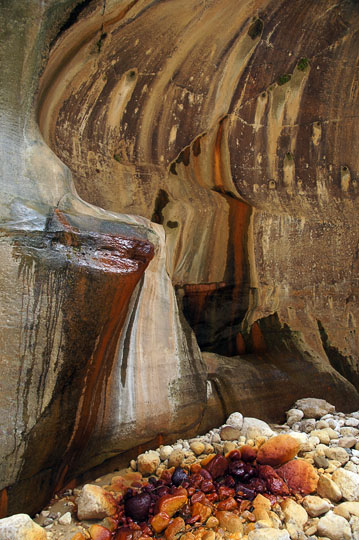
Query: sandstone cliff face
{"type": "Point", "coordinates": [213, 144]}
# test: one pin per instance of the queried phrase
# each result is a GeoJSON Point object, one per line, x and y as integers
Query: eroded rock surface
{"type": "Point", "coordinates": [229, 140]}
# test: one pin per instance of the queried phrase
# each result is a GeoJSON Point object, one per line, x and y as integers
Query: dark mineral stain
{"type": "Point", "coordinates": [173, 168]}
{"type": "Point", "coordinates": [161, 201]}
{"type": "Point", "coordinates": [196, 147]}
{"type": "Point", "coordinates": [72, 18]}
{"type": "Point", "coordinates": [172, 224]}
{"type": "Point", "coordinates": [100, 41]}
{"type": "Point", "coordinates": [186, 156]}
{"type": "Point", "coordinates": [255, 29]}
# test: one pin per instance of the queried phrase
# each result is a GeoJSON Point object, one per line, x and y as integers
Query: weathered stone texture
{"type": "Point", "coordinates": [217, 141]}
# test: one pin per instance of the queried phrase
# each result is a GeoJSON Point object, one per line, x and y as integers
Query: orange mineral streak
{"type": "Point", "coordinates": [3, 503]}
{"type": "Point", "coordinates": [257, 340]}
{"type": "Point", "coordinates": [240, 344]}
{"type": "Point", "coordinates": [116, 291]}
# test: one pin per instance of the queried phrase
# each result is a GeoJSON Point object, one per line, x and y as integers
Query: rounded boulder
{"type": "Point", "coordinates": [300, 476]}
{"type": "Point", "coordinates": [278, 450]}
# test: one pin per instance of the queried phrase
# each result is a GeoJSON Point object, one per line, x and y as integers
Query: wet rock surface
{"type": "Point", "coordinates": [221, 494]}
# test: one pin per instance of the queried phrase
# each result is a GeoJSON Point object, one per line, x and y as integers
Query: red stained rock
{"type": "Point", "coordinates": [124, 533]}
{"type": "Point", "coordinates": [160, 521]}
{"type": "Point", "coordinates": [171, 503]}
{"type": "Point", "coordinates": [277, 450]}
{"type": "Point", "coordinates": [248, 453]}
{"type": "Point", "coordinates": [217, 467]}
{"type": "Point", "coordinates": [300, 476]}
{"type": "Point", "coordinates": [228, 504]}
{"type": "Point", "coordinates": [174, 528]}
{"type": "Point", "coordinates": [201, 510]}
{"type": "Point", "coordinates": [97, 532]}
{"type": "Point", "coordinates": [274, 482]}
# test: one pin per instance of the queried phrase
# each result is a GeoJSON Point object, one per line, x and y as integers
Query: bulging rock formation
{"type": "Point", "coordinates": [167, 168]}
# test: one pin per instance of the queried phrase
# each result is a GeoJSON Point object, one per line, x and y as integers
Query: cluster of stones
{"type": "Point", "coordinates": [309, 467]}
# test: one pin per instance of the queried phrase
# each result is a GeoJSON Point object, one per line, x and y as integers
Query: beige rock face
{"type": "Point", "coordinates": [204, 176]}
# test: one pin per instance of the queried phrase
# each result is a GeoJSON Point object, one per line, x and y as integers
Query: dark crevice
{"type": "Point", "coordinates": [347, 366]}
{"type": "Point", "coordinates": [72, 18]}
{"type": "Point", "coordinates": [162, 200]}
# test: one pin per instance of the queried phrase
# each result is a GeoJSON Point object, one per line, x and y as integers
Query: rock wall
{"type": "Point", "coordinates": [210, 143]}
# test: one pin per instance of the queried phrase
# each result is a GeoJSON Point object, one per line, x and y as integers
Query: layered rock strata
{"type": "Point", "coordinates": [227, 138]}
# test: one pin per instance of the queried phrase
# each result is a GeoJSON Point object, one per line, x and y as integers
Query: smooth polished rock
{"type": "Point", "coordinates": [278, 450]}
{"type": "Point", "coordinates": [328, 489]}
{"type": "Point", "coordinates": [316, 506]}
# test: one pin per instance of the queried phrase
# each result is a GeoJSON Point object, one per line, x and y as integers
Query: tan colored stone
{"type": "Point", "coordinates": [95, 503]}
{"type": "Point", "coordinates": [348, 483]}
{"type": "Point", "coordinates": [268, 534]}
{"type": "Point", "coordinates": [228, 446]}
{"type": "Point", "coordinates": [176, 458]}
{"type": "Point", "coordinates": [197, 447]}
{"type": "Point", "coordinates": [229, 521]}
{"type": "Point", "coordinates": [334, 527]}
{"type": "Point", "coordinates": [338, 454]}
{"type": "Point", "coordinates": [278, 450]}
{"type": "Point", "coordinates": [229, 433]}
{"type": "Point", "coordinates": [322, 435]}
{"type": "Point", "coordinates": [347, 509]}
{"type": "Point", "coordinates": [328, 489]}
{"type": "Point", "coordinates": [147, 463]}
{"type": "Point", "coordinates": [316, 506]}
{"type": "Point", "coordinates": [314, 407]}
{"type": "Point", "coordinates": [294, 514]}
{"type": "Point", "coordinates": [21, 527]}
{"type": "Point", "coordinates": [212, 522]}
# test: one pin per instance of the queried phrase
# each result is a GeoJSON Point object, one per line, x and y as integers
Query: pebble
{"type": "Point", "coordinates": [321, 462]}
{"type": "Point", "coordinates": [328, 489]}
{"type": "Point", "coordinates": [347, 442]}
{"type": "Point", "coordinates": [21, 526]}
{"type": "Point", "coordinates": [229, 433]}
{"type": "Point", "coordinates": [322, 435]}
{"type": "Point", "coordinates": [252, 428]}
{"type": "Point", "coordinates": [330, 442]}
{"type": "Point", "coordinates": [235, 420]}
{"type": "Point", "coordinates": [268, 534]}
{"type": "Point", "coordinates": [95, 503]}
{"type": "Point", "coordinates": [65, 519]}
{"type": "Point", "coordinates": [353, 422]}
{"type": "Point", "coordinates": [316, 506]}
{"type": "Point", "coordinates": [348, 483]}
{"type": "Point", "coordinates": [314, 407]}
{"type": "Point", "coordinates": [334, 527]}
{"type": "Point", "coordinates": [338, 454]}
{"type": "Point", "coordinates": [176, 457]}
{"type": "Point", "coordinates": [165, 452]}
{"type": "Point", "coordinates": [197, 447]}
{"type": "Point", "coordinates": [147, 463]}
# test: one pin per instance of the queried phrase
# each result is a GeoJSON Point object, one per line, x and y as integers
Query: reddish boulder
{"type": "Point", "coordinates": [277, 450]}
{"type": "Point", "coordinates": [300, 476]}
